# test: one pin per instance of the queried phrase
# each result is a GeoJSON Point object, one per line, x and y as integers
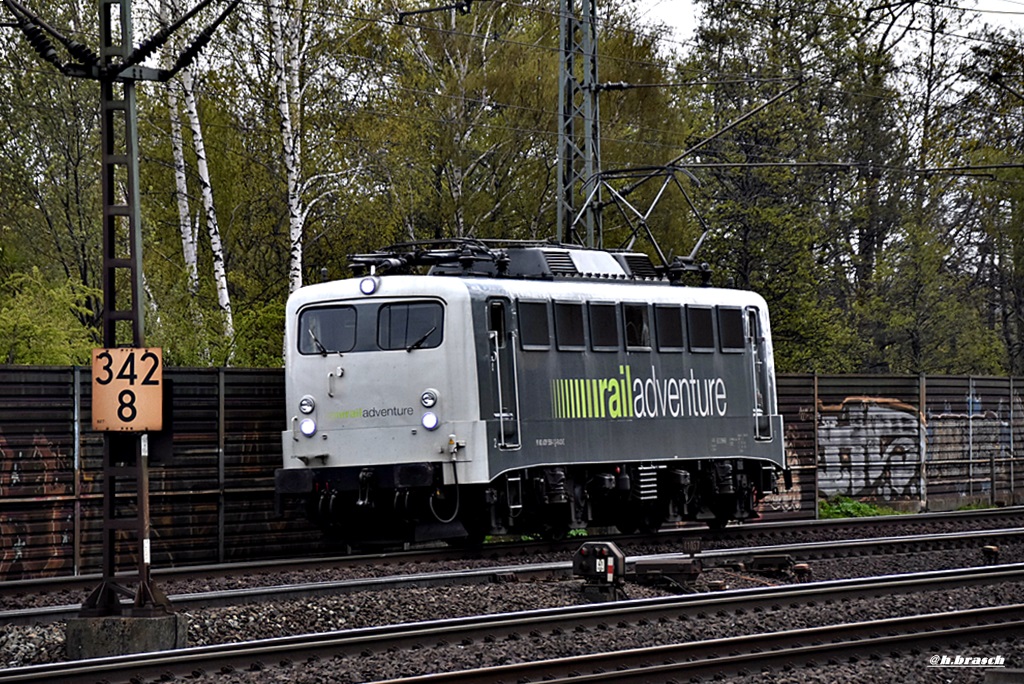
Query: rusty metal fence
{"type": "Point", "coordinates": [212, 501]}
{"type": "Point", "coordinates": [913, 443]}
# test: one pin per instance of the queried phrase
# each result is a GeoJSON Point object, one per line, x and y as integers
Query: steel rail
{"type": "Point", "coordinates": [505, 550]}
{"type": "Point", "coordinates": [538, 571]}
{"type": "Point", "coordinates": [288, 592]}
{"type": "Point", "coordinates": [598, 616]}
{"type": "Point", "coordinates": [735, 654]}
{"type": "Point", "coordinates": [855, 547]}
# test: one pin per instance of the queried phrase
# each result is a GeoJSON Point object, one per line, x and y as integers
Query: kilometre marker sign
{"type": "Point", "coordinates": [127, 389]}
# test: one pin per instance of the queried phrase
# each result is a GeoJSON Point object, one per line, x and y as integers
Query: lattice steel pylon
{"type": "Point", "coordinates": [579, 146]}
{"type": "Point", "coordinates": [123, 457]}
{"type": "Point", "coordinates": [117, 69]}
{"type": "Point", "coordinates": [122, 222]}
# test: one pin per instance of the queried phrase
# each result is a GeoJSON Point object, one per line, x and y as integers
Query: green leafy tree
{"type": "Point", "coordinates": [929, 320]}
{"type": "Point", "coordinates": [991, 107]}
{"type": "Point", "coordinates": [331, 128]}
{"type": "Point", "coordinates": [471, 115]}
{"type": "Point", "coordinates": [928, 312]}
{"type": "Point", "coordinates": [50, 215]}
{"type": "Point", "coordinates": [770, 171]}
{"type": "Point", "coordinates": [41, 321]}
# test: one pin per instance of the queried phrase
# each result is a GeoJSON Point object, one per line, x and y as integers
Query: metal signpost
{"type": "Point", "coordinates": [128, 387]}
{"type": "Point", "coordinates": [115, 404]}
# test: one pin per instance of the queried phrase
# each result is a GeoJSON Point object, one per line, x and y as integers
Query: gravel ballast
{"type": "Point", "coordinates": [41, 644]}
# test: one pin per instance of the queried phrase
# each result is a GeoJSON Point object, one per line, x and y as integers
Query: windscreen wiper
{"type": "Point", "coordinates": [320, 347]}
{"type": "Point", "coordinates": [423, 338]}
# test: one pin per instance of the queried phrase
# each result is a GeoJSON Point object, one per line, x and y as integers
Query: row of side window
{"type": "Point", "coordinates": [638, 326]}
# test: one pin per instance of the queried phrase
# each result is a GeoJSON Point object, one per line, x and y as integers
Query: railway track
{"type": "Point", "coordinates": [772, 649]}
{"type": "Point", "coordinates": [740, 557]}
{"type": "Point", "coordinates": [765, 653]}
{"type": "Point", "coordinates": [558, 570]}
{"type": "Point", "coordinates": [880, 527]}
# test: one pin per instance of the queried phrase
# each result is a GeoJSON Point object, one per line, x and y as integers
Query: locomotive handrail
{"type": "Point", "coordinates": [515, 390]}
{"type": "Point", "coordinates": [503, 443]}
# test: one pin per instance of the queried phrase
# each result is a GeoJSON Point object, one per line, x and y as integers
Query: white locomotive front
{"type": "Point", "coordinates": [382, 391]}
{"type": "Point", "coordinates": [532, 389]}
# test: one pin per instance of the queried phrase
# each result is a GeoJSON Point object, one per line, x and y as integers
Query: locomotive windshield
{"type": "Point", "coordinates": [409, 326]}
{"type": "Point", "coordinates": [328, 329]}
{"type": "Point", "coordinates": [371, 326]}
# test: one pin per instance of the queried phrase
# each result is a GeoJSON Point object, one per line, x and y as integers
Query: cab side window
{"type": "Point", "coordinates": [700, 326]}
{"type": "Point", "coordinates": [604, 326]}
{"type": "Point", "coordinates": [534, 330]}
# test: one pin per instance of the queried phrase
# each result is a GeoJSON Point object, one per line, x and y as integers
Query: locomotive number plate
{"type": "Point", "coordinates": [127, 389]}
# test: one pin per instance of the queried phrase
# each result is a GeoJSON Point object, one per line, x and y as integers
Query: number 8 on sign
{"type": "Point", "coordinates": [127, 389]}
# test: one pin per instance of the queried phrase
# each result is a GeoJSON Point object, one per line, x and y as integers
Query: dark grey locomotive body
{"type": "Point", "coordinates": [558, 391]}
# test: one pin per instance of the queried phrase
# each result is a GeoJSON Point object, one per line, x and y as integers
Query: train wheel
{"type": "Point", "coordinates": [724, 510]}
{"type": "Point", "coordinates": [651, 521]}
{"type": "Point", "coordinates": [555, 532]}
{"type": "Point", "coordinates": [627, 522]}
{"type": "Point", "coordinates": [471, 542]}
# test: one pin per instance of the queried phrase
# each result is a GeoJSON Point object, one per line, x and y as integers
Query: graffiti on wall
{"type": "Point", "coordinates": [788, 500]}
{"type": "Point", "coordinates": [784, 500]}
{"type": "Point", "coordinates": [970, 453]}
{"type": "Point", "coordinates": [870, 447]}
{"type": "Point", "coordinates": [36, 483]}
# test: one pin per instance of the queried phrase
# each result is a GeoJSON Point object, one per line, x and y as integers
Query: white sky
{"type": "Point", "coordinates": [680, 13]}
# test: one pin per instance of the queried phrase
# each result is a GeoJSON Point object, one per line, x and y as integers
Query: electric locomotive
{"type": "Point", "coordinates": [457, 389]}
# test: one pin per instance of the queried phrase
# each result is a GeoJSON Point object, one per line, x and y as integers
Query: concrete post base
{"type": "Point", "coordinates": [97, 637]}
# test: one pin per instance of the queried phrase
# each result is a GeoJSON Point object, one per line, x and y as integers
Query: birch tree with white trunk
{"type": "Point", "coordinates": [188, 230]}
{"type": "Point", "coordinates": [315, 90]}
{"type": "Point", "coordinates": [209, 209]}
{"type": "Point", "coordinates": [287, 39]}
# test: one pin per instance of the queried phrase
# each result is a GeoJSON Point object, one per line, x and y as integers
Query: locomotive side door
{"type": "Point", "coordinates": [759, 369]}
{"type": "Point", "coordinates": [502, 340]}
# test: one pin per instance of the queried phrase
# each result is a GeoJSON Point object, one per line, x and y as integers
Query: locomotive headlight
{"type": "Point", "coordinates": [307, 427]}
{"type": "Point", "coordinates": [430, 420]}
{"type": "Point", "coordinates": [369, 285]}
{"type": "Point", "coordinates": [428, 398]}
{"type": "Point", "coordinates": [306, 405]}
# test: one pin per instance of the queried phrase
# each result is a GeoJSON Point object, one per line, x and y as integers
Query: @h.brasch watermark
{"type": "Point", "coordinates": [966, 661]}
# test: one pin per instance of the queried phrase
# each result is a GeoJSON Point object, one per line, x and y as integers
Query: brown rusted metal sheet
{"type": "Point", "coordinates": [212, 500]}
{"type": "Point", "coordinates": [974, 432]}
{"type": "Point", "coordinates": [920, 443]}
{"type": "Point", "coordinates": [37, 472]}
{"type": "Point", "coordinates": [905, 441]}
{"type": "Point", "coordinates": [796, 404]}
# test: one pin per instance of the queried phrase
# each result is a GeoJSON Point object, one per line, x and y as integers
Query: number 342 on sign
{"type": "Point", "coordinates": [127, 389]}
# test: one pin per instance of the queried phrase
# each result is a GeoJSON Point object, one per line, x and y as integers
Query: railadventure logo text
{"type": "Point", "coordinates": [626, 396]}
